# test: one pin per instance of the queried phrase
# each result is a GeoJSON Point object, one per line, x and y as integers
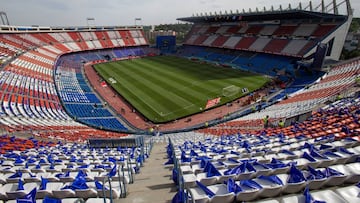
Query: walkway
{"type": "Point", "coordinates": [154, 183]}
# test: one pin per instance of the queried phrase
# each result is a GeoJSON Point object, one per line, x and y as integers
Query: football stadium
{"type": "Point", "coordinates": [253, 106]}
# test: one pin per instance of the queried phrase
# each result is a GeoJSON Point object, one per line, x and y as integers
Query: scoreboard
{"type": "Point", "coordinates": [166, 43]}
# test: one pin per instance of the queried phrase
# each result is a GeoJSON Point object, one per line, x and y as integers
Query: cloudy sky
{"type": "Point", "coordinates": [123, 12]}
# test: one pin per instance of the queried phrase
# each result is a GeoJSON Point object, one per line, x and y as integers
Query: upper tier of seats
{"type": "Point", "coordinates": [13, 44]}
{"type": "Point", "coordinates": [283, 39]}
{"type": "Point", "coordinates": [28, 95]}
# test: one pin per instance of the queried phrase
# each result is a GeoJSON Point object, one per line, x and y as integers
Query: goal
{"type": "Point", "coordinates": [230, 91]}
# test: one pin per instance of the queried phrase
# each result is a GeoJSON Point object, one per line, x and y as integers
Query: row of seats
{"type": "Point", "coordinates": [247, 167]}
{"type": "Point", "coordinates": [79, 100]}
{"type": "Point", "coordinates": [27, 84]}
{"type": "Point", "coordinates": [271, 65]}
{"type": "Point", "coordinates": [69, 171]}
{"type": "Point", "coordinates": [251, 165]}
{"type": "Point", "coordinates": [338, 119]}
{"type": "Point", "coordinates": [285, 39]}
{"type": "Point", "coordinates": [66, 41]}
{"type": "Point", "coordinates": [298, 30]}
{"type": "Point", "coordinates": [260, 193]}
{"type": "Point", "coordinates": [8, 143]}
{"type": "Point", "coordinates": [308, 98]}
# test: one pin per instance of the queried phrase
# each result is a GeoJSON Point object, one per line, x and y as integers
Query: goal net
{"type": "Point", "coordinates": [230, 91]}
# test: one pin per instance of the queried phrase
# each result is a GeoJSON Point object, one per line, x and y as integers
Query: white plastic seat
{"type": "Point", "coordinates": [291, 188]}
{"type": "Point", "coordinates": [301, 163]}
{"type": "Point", "coordinates": [9, 163]}
{"type": "Point", "coordinates": [220, 191]}
{"type": "Point", "coordinates": [354, 172]}
{"type": "Point", "coordinates": [292, 199]}
{"type": "Point", "coordinates": [58, 192]}
{"type": "Point", "coordinates": [260, 170]}
{"type": "Point", "coordinates": [71, 200]}
{"type": "Point", "coordinates": [284, 156]}
{"type": "Point", "coordinates": [50, 176]}
{"type": "Point", "coordinates": [328, 196]}
{"type": "Point", "coordinates": [116, 190]}
{"type": "Point", "coordinates": [339, 179]}
{"type": "Point", "coordinates": [350, 157]}
{"type": "Point", "coordinates": [37, 170]}
{"type": "Point", "coordinates": [230, 164]}
{"type": "Point", "coordinates": [338, 160]}
{"type": "Point", "coordinates": [86, 193]}
{"type": "Point", "coordinates": [201, 177]}
{"type": "Point", "coordinates": [40, 194]}
{"type": "Point", "coordinates": [245, 175]}
{"type": "Point", "coordinates": [224, 177]}
{"type": "Point", "coordinates": [280, 170]}
{"type": "Point", "coordinates": [247, 194]}
{"type": "Point", "coordinates": [98, 200]}
{"type": "Point", "coordinates": [56, 169]}
{"type": "Point", "coordinates": [7, 169]}
{"type": "Point", "coordinates": [269, 189]}
{"type": "Point", "coordinates": [9, 191]}
{"type": "Point", "coordinates": [324, 162]}
{"type": "Point", "coordinates": [350, 193]}
{"type": "Point", "coordinates": [189, 180]}
{"type": "Point", "coordinates": [315, 183]}
{"type": "Point", "coordinates": [4, 177]}
{"type": "Point", "coordinates": [124, 176]}
{"type": "Point", "coordinates": [186, 169]}
{"type": "Point", "coordinates": [195, 168]}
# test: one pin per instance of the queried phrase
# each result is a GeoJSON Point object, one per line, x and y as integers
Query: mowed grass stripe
{"type": "Point", "coordinates": [211, 84]}
{"type": "Point", "coordinates": [204, 71]}
{"type": "Point", "coordinates": [198, 71]}
{"type": "Point", "coordinates": [129, 93]}
{"type": "Point", "coordinates": [179, 84]}
{"type": "Point", "coordinates": [165, 88]}
{"type": "Point", "coordinates": [153, 105]}
{"type": "Point", "coordinates": [138, 98]}
{"type": "Point", "coordinates": [198, 92]}
{"type": "Point", "coordinates": [248, 80]}
{"type": "Point", "coordinates": [148, 79]}
{"type": "Point", "coordinates": [201, 86]}
{"type": "Point", "coordinates": [135, 82]}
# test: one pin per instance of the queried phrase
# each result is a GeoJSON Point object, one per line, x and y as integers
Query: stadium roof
{"type": "Point", "coordinates": [263, 16]}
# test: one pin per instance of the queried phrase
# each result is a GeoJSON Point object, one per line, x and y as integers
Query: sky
{"type": "Point", "coordinates": [124, 12]}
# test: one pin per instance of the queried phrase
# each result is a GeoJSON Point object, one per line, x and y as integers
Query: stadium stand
{"type": "Point", "coordinates": [294, 35]}
{"type": "Point", "coordinates": [306, 99]}
{"type": "Point", "coordinates": [45, 96]}
{"type": "Point", "coordinates": [245, 167]}
{"type": "Point", "coordinates": [60, 171]}
{"type": "Point", "coordinates": [28, 86]}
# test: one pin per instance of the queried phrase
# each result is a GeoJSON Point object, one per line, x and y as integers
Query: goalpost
{"type": "Point", "coordinates": [230, 91]}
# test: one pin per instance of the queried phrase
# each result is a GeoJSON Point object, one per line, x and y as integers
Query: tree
{"type": "Point", "coordinates": [355, 25]}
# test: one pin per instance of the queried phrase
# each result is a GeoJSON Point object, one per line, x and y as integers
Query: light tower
{"type": "Point", "coordinates": [137, 20]}
{"type": "Point", "coordinates": [4, 18]}
{"type": "Point", "coordinates": [90, 21]}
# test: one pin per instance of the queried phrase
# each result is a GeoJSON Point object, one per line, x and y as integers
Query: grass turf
{"type": "Point", "coordinates": [165, 88]}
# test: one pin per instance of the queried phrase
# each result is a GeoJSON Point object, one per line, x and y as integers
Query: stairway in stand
{"type": "Point", "coordinates": [154, 183]}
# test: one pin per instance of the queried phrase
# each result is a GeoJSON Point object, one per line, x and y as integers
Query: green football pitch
{"type": "Point", "coordinates": [165, 88]}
